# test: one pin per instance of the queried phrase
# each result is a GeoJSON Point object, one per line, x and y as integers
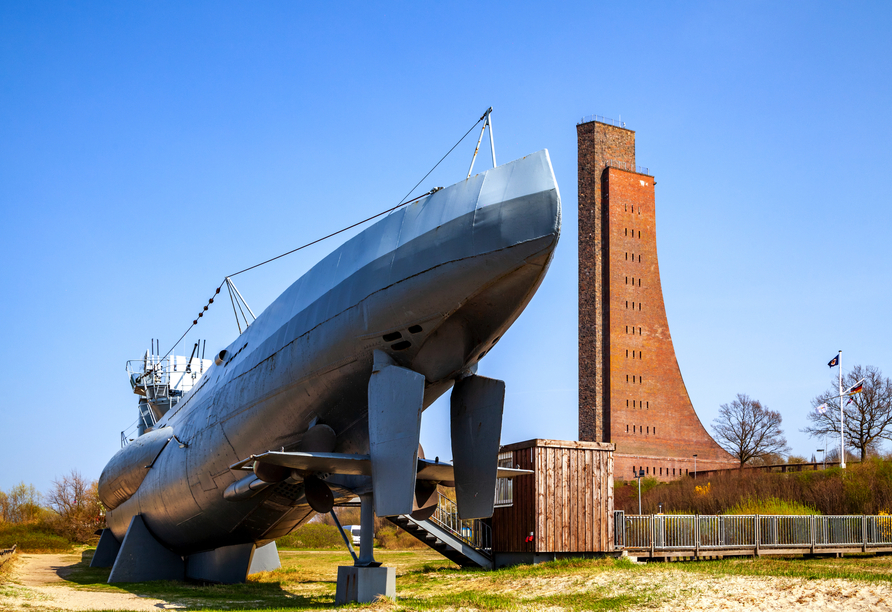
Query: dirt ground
{"type": "Point", "coordinates": [688, 591]}
{"type": "Point", "coordinates": [38, 582]}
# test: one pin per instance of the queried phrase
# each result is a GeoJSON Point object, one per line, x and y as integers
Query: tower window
{"type": "Point", "coordinates": [627, 378]}
{"type": "Point", "coordinates": [627, 231]}
{"type": "Point", "coordinates": [633, 429]}
{"type": "Point", "coordinates": [639, 259]}
{"type": "Point", "coordinates": [639, 331]}
{"type": "Point", "coordinates": [633, 280]}
{"type": "Point", "coordinates": [627, 257]}
{"type": "Point", "coordinates": [633, 208]}
{"type": "Point", "coordinates": [639, 233]}
{"type": "Point", "coordinates": [633, 403]}
{"type": "Point", "coordinates": [627, 329]}
{"type": "Point", "coordinates": [627, 303]}
{"type": "Point", "coordinates": [639, 281]}
{"type": "Point", "coordinates": [627, 403]}
{"type": "Point", "coordinates": [655, 431]}
{"type": "Point", "coordinates": [627, 281]}
{"type": "Point", "coordinates": [648, 430]}
{"type": "Point", "coordinates": [627, 353]}
{"type": "Point", "coordinates": [633, 378]}
{"type": "Point", "coordinates": [627, 429]}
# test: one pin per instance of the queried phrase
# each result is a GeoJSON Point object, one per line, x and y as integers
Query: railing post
{"type": "Point", "coordinates": [652, 536]}
{"type": "Point", "coordinates": [864, 533]}
{"type": "Point", "coordinates": [756, 533]}
{"type": "Point", "coordinates": [696, 536]}
{"type": "Point", "coordinates": [811, 534]}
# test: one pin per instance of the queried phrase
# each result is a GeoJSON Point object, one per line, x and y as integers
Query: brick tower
{"type": "Point", "coordinates": [631, 391]}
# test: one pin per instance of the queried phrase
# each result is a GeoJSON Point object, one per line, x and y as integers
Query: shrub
{"type": "Point", "coordinates": [32, 538]}
{"type": "Point", "coordinates": [314, 536]}
{"type": "Point", "coordinates": [771, 505]}
{"type": "Point", "coordinates": [394, 538]}
{"type": "Point", "coordinates": [863, 488]}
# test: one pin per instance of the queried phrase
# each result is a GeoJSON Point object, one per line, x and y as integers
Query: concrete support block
{"type": "Point", "coordinates": [226, 565]}
{"type": "Point", "coordinates": [106, 550]}
{"type": "Point", "coordinates": [265, 559]}
{"type": "Point", "coordinates": [364, 584]}
{"type": "Point", "coordinates": [143, 558]}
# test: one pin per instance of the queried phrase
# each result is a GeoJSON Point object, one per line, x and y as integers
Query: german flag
{"type": "Point", "coordinates": [858, 387]}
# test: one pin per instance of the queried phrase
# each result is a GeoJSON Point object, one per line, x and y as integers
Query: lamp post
{"type": "Point", "coordinates": [640, 476]}
{"type": "Point", "coordinates": [695, 466]}
{"type": "Point", "coordinates": [823, 458]}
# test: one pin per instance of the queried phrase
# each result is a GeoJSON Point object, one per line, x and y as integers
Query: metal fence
{"type": "Point", "coordinates": [753, 532]}
{"type": "Point", "coordinates": [600, 119]}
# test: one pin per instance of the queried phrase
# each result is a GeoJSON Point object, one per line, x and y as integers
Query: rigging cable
{"type": "Point", "coordinates": [318, 240]}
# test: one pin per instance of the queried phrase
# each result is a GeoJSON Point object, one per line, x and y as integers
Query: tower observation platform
{"type": "Point", "coordinates": [631, 391]}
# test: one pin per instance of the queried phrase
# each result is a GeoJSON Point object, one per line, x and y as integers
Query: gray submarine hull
{"type": "Point", "coordinates": [434, 285]}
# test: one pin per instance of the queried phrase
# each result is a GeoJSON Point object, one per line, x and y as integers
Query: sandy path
{"type": "Point", "coordinates": [37, 583]}
{"type": "Point", "coordinates": [677, 590]}
{"type": "Point", "coordinates": [689, 591]}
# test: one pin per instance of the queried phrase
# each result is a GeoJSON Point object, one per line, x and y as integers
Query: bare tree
{"type": "Point", "coordinates": [76, 501]}
{"type": "Point", "coordinates": [21, 504]}
{"type": "Point", "coordinates": [748, 430]}
{"type": "Point", "coordinates": [868, 417]}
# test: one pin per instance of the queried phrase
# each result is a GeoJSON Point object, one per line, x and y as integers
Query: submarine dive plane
{"type": "Point", "coordinates": [320, 399]}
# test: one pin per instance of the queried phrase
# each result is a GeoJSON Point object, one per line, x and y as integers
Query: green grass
{"type": "Point", "coordinates": [427, 581]}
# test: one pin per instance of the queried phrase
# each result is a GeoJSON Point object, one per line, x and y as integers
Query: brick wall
{"type": "Point", "coordinates": [631, 391]}
{"type": "Point", "coordinates": [595, 147]}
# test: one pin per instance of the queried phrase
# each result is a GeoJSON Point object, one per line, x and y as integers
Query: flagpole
{"type": "Point", "coordinates": [842, 425]}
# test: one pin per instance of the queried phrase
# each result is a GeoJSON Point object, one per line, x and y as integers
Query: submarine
{"type": "Point", "coordinates": [320, 399]}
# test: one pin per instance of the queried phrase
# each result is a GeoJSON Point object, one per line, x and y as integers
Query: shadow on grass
{"type": "Point", "coordinates": [253, 594]}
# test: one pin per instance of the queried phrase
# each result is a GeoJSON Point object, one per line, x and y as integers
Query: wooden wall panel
{"type": "Point", "coordinates": [567, 503]}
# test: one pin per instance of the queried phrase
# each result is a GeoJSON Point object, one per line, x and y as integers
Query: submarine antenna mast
{"type": "Point", "coordinates": [487, 116]}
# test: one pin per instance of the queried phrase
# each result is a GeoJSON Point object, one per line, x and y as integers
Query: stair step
{"type": "Point", "coordinates": [419, 530]}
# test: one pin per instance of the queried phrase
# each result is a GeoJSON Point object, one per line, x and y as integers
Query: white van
{"type": "Point", "coordinates": [353, 532]}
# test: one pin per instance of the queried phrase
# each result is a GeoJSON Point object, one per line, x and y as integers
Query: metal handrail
{"type": "Point", "coordinates": [615, 163]}
{"type": "Point", "coordinates": [724, 532]}
{"type": "Point", "coordinates": [600, 119]}
{"type": "Point", "coordinates": [473, 532]}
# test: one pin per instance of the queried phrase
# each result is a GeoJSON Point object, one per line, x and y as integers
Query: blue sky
{"type": "Point", "coordinates": [148, 149]}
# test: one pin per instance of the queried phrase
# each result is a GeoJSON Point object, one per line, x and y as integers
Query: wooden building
{"type": "Point", "coordinates": [563, 509]}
